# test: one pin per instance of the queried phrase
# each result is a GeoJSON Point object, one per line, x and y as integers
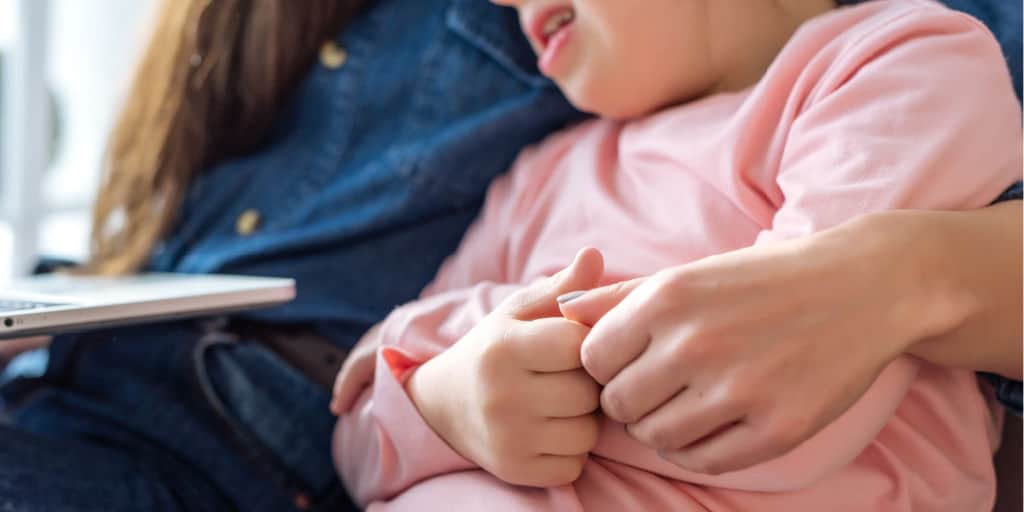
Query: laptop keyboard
{"type": "Point", "coordinates": [7, 306]}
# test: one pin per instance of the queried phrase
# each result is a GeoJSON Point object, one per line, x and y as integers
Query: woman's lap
{"type": "Point", "coordinates": [124, 419]}
{"type": "Point", "coordinates": [40, 473]}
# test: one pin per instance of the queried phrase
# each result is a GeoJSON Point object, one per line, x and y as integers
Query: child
{"type": "Point", "coordinates": [725, 123]}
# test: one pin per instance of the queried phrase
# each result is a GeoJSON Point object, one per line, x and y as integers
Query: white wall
{"type": "Point", "coordinates": [6, 31]}
{"type": "Point", "coordinates": [92, 48]}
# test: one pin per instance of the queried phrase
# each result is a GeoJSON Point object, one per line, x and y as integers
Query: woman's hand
{"type": "Point", "coordinates": [736, 359]}
{"type": "Point", "coordinates": [979, 257]}
{"type": "Point", "coordinates": [511, 395]}
{"type": "Point", "coordinates": [9, 349]}
{"type": "Point", "coordinates": [356, 372]}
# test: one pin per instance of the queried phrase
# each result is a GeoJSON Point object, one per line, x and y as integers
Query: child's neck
{"type": "Point", "coordinates": [765, 31]}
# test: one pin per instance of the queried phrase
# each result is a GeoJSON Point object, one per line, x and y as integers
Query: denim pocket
{"type": "Point", "coordinates": [281, 416]}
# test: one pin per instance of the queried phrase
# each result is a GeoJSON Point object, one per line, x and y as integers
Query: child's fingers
{"type": "Point", "coordinates": [556, 470]}
{"type": "Point", "coordinates": [549, 344]}
{"type": "Point", "coordinates": [355, 375]}
{"type": "Point", "coordinates": [564, 394]}
{"type": "Point", "coordinates": [570, 436]}
{"type": "Point", "coordinates": [539, 299]}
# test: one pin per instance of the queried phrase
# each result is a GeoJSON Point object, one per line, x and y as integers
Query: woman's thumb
{"type": "Point", "coordinates": [538, 300]}
{"type": "Point", "coordinates": [587, 307]}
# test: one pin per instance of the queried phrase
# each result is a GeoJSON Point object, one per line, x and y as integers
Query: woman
{"type": "Point", "coordinates": [346, 148]}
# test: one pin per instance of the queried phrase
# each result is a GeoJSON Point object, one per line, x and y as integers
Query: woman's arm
{"type": "Point", "coordinates": [975, 258]}
{"type": "Point", "coordinates": [9, 349]}
{"type": "Point", "coordinates": [769, 346]}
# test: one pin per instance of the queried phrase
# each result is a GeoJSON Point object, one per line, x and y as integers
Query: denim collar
{"type": "Point", "coordinates": [503, 41]}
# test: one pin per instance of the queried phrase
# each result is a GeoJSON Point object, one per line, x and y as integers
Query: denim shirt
{"type": "Point", "coordinates": [377, 167]}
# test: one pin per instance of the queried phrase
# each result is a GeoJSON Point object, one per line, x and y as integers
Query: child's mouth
{"type": "Point", "coordinates": [551, 32]}
{"type": "Point", "coordinates": [555, 22]}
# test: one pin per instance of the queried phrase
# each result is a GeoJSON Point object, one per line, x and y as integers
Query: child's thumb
{"type": "Point", "coordinates": [587, 307]}
{"type": "Point", "coordinates": [539, 299]}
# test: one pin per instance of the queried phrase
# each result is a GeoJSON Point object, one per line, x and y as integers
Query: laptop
{"type": "Point", "coordinates": [58, 303]}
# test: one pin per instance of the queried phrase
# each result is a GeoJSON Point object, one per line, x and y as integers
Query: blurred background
{"type": "Point", "coordinates": [51, 144]}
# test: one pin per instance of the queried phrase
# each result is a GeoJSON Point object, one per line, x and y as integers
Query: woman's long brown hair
{"type": "Point", "coordinates": [209, 85]}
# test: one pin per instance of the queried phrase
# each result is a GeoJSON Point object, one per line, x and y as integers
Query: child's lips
{"type": "Point", "coordinates": [551, 52]}
{"type": "Point", "coordinates": [549, 31]}
{"type": "Point", "coordinates": [548, 23]}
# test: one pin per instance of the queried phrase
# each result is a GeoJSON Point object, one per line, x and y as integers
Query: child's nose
{"type": "Point", "coordinates": [507, 3]}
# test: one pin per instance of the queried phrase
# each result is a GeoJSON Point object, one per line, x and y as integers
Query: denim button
{"type": "Point", "coordinates": [332, 56]}
{"type": "Point", "coordinates": [247, 222]}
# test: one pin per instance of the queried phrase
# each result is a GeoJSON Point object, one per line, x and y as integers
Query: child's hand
{"type": "Point", "coordinates": [357, 372]}
{"type": "Point", "coordinates": [511, 395]}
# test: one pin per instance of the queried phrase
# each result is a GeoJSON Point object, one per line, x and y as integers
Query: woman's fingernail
{"type": "Point", "coordinates": [568, 297]}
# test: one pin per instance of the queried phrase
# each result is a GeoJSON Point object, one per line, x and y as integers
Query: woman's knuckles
{"type": "Point", "coordinates": [785, 431]}
{"type": "Point", "coordinates": [698, 463]}
{"type": "Point", "coordinates": [661, 436]}
{"type": "Point", "coordinates": [616, 403]}
{"type": "Point", "coordinates": [590, 356]}
{"type": "Point", "coordinates": [734, 392]}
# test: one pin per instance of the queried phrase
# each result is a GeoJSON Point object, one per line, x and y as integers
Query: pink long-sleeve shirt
{"type": "Point", "coordinates": [890, 104]}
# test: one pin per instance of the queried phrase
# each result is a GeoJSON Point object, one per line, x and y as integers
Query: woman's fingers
{"type": "Point", "coordinates": [648, 382]}
{"type": "Point", "coordinates": [615, 341]}
{"type": "Point", "coordinates": [735, 447]}
{"type": "Point", "coordinates": [587, 307]}
{"type": "Point", "coordinates": [13, 347]}
{"type": "Point", "coordinates": [684, 420]}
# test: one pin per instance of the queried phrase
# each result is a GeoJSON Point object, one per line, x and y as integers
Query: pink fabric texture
{"type": "Point", "coordinates": [890, 104]}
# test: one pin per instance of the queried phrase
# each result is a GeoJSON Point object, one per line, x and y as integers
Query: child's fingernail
{"type": "Point", "coordinates": [568, 297]}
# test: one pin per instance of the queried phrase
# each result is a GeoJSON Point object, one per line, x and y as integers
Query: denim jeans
{"type": "Point", "coordinates": [172, 416]}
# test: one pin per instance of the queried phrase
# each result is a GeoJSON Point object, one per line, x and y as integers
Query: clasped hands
{"type": "Point", "coordinates": [711, 388]}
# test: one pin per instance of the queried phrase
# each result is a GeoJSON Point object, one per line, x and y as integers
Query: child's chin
{"type": "Point", "coordinates": [593, 96]}
{"type": "Point", "coordinates": [607, 107]}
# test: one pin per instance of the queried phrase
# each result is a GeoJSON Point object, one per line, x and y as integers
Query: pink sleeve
{"type": "Point", "coordinates": [921, 116]}
{"type": "Point", "coordinates": [384, 446]}
{"type": "Point", "coordinates": [928, 120]}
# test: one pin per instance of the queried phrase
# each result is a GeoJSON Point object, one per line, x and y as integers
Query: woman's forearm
{"type": "Point", "coordinates": [9, 349]}
{"type": "Point", "coordinates": [971, 258]}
